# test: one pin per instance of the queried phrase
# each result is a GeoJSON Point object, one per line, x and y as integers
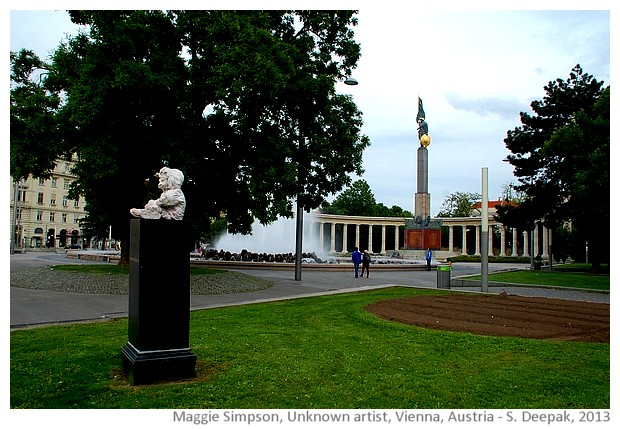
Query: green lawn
{"type": "Point", "coordinates": [551, 278]}
{"type": "Point", "coordinates": [320, 352]}
{"type": "Point", "coordinates": [122, 269]}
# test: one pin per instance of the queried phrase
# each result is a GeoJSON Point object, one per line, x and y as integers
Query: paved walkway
{"type": "Point", "coordinates": [31, 307]}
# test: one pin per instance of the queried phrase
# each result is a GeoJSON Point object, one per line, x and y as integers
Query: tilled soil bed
{"type": "Point", "coordinates": [501, 315]}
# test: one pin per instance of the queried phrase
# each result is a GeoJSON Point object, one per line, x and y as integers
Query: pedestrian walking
{"type": "Point", "coordinates": [366, 263]}
{"type": "Point", "coordinates": [356, 257]}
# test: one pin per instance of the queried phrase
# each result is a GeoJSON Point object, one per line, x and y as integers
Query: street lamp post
{"type": "Point", "coordinates": [299, 220]}
{"type": "Point", "coordinates": [484, 233]}
{"type": "Point", "coordinates": [299, 232]}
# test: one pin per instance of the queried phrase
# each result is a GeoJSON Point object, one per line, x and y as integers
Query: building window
{"type": "Point", "coordinates": [64, 218]}
{"type": "Point", "coordinates": [39, 214]}
{"type": "Point", "coordinates": [66, 183]}
{"type": "Point", "coordinates": [21, 195]}
{"type": "Point", "coordinates": [65, 201]}
{"type": "Point", "coordinates": [54, 182]}
{"type": "Point", "coordinates": [76, 203]}
{"type": "Point", "coordinates": [52, 216]}
{"type": "Point", "coordinates": [41, 181]}
{"type": "Point", "coordinates": [53, 200]}
{"type": "Point", "coordinates": [40, 198]}
{"type": "Point", "coordinates": [18, 213]}
{"type": "Point", "coordinates": [76, 219]}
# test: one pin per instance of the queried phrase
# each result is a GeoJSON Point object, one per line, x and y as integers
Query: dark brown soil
{"type": "Point", "coordinates": [502, 315]}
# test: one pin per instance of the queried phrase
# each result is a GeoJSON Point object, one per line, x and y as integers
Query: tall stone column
{"type": "Point", "coordinates": [422, 232]}
{"type": "Point", "coordinates": [477, 240]}
{"type": "Point", "coordinates": [502, 241]}
{"type": "Point", "coordinates": [515, 242]}
{"type": "Point", "coordinates": [535, 247]}
{"type": "Point", "coordinates": [545, 242]}
{"type": "Point", "coordinates": [332, 238]}
{"type": "Point", "coordinates": [370, 238]}
{"type": "Point", "coordinates": [357, 235]}
{"type": "Point", "coordinates": [422, 197]}
{"type": "Point", "coordinates": [464, 245]}
{"type": "Point", "coordinates": [526, 243]}
{"type": "Point", "coordinates": [396, 240]}
{"type": "Point", "coordinates": [382, 239]}
{"type": "Point", "coordinates": [550, 242]}
{"type": "Point", "coordinates": [451, 239]}
{"type": "Point", "coordinates": [345, 233]}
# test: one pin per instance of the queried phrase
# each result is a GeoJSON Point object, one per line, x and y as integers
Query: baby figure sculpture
{"type": "Point", "coordinates": [171, 203]}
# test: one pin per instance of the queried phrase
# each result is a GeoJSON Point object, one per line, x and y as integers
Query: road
{"type": "Point", "coordinates": [36, 307]}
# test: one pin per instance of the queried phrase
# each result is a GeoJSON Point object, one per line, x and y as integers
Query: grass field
{"type": "Point", "coordinates": [320, 352]}
{"type": "Point", "coordinates": [552, 278]}
{"type": "Point", "coordinates": [121, 269]}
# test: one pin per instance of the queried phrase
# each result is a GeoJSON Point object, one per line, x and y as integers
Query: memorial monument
{"type": "Point", "coordinates": [159, 293]}
{"type": "Point", "coordinates": [422, 232]}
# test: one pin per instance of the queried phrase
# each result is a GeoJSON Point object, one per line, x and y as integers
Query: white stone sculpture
{"type": "Point", "coordinates": [171, 203]}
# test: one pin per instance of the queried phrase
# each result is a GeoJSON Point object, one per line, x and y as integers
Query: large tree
{"type": "Point", "coordinates": [243, 102]}
{"type": "Point", "coordinates": [561, 160]}
{"type": "Point", "coordinates": [356, 200]}
{"type": "Point", "coordinates": [34, 141]}
{"type": "Point", "coordinates": [459, 204]}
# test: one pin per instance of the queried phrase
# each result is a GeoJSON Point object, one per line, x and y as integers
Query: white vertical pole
{"type": "Point", "coordinates": [299, 232]}
{"type": "Point", "coordinates": [484, 239]}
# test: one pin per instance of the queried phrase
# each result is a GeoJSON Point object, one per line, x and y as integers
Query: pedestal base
{"type": "Point", "coordinates": [159, 303]}
{"type": "Point", "coordinates": [156, 365]}
{"type": "Point", "coordinates": [423, 238]}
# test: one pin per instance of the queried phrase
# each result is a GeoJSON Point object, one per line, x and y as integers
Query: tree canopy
{"type": "Point", "coordinates": [561, 160]}
{"type": "Point", "coordinates": [243, 102]}
{"type": "Point", "coordinates": [459, 204]}
{"type": "Point", "coordinates": [358, 200]}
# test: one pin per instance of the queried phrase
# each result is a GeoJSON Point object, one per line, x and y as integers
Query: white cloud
{"type": "Point", "coordinates": [485, 106]}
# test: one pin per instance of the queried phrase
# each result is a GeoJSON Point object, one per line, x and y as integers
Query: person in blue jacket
{"type": "Point", "coordinates": [429, 256]}
{"type": "Point", "coordinates": [356, 257]}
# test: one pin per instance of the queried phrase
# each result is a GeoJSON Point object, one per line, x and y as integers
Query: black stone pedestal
{"type": "Point", "coordinates": [158, 345]}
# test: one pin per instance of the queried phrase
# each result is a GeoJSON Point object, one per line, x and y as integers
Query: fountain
{"type": "Point", "coordinates": [268, 246]}
{"type": "Point", "coordinates": [278, 237]}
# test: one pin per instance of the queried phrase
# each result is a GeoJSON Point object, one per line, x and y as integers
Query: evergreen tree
{"type": "Point", "coordinates": [561, 159]}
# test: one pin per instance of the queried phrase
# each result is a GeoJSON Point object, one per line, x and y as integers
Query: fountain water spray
{"type": "Point", "coordinates": [277, 237]}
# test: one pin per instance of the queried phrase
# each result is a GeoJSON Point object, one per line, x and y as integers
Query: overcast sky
{"type": "Point", "coordinates": [475, 70]}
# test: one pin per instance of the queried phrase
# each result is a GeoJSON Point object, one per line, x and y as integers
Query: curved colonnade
{"type": "Point", "coordinates": [338, 233]}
